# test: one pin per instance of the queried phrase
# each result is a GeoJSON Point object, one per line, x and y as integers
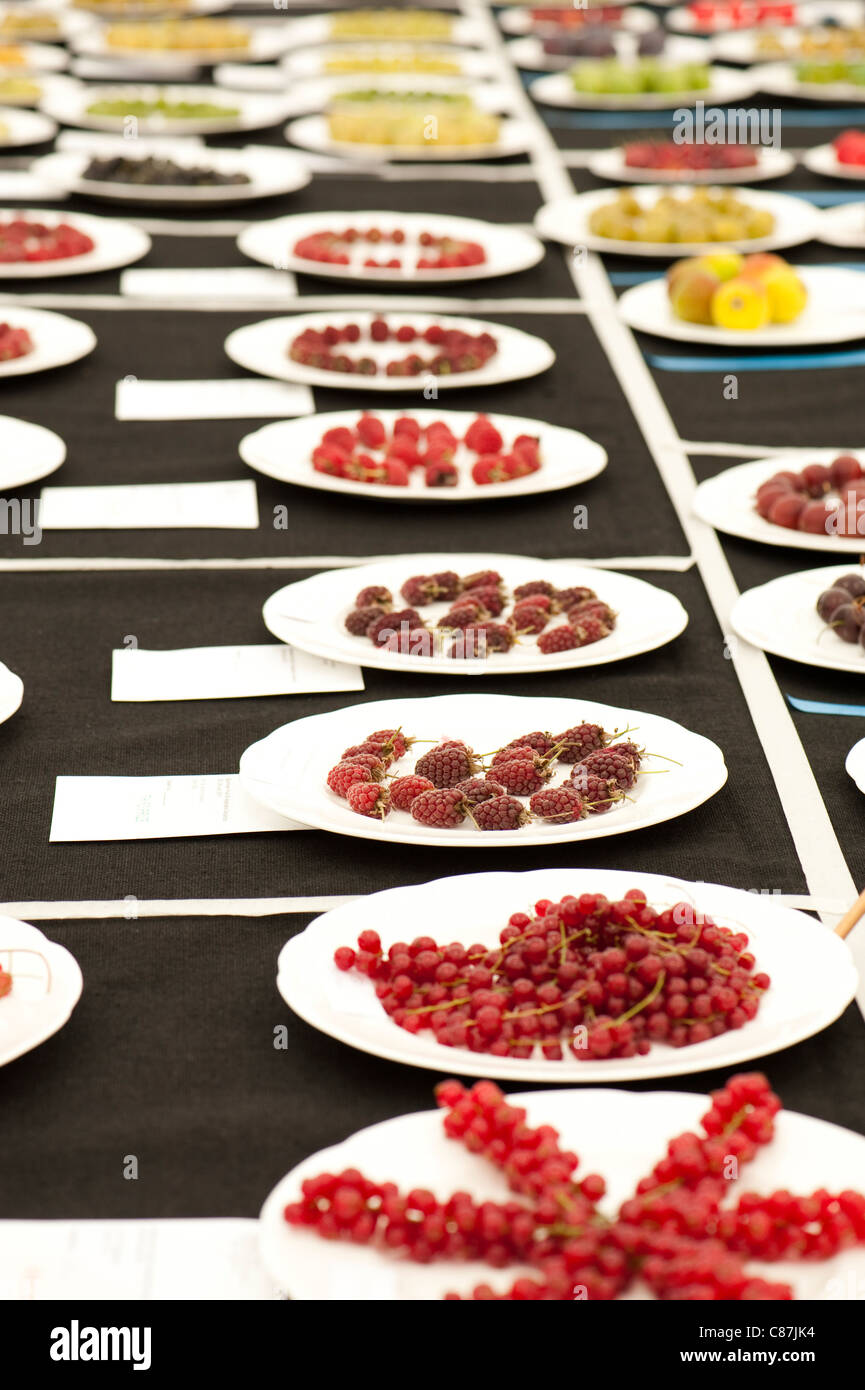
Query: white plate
{"type": "Point", "coordinates": [40, 57]}
{"type": "Point", "coordinates": [57, 340]}
{"type": "Point", "coordinates": [287, 771]}
{"type": "Point", "coordinates": [789, 946]}
{"type": "Point", "coordinates": [771, 164]}
{"type": "Point", "coordinates": [520, 20]}
{"type": "Point", "coordinates": [855, 764]}
{"type": "Point", "coordinates": [311, 615]}
{"type": "Point", "coordinates": [528, 52]}
{"type": "Point", "coordinates": [27, 452]}
{"type": "Point", "coordinates": [822, 159]}
{"type": "Point", "coordinates": [726, 85]}
{"type": "Point", "coordinates": [314, 29]}
{"type": "Point", "coordinates": [314, 95]}
{"type": "Point", "coordinates": [781, 617]}
{"type": "Point", "coordinates": [508, 249]}
{"type": "Point", "coordinates": [30, 1014]}
{"type": "Point", "coordinates": [835, 313]}
{"type": "Point", "coordinates": [312, 62]}
{"type": "Point", "coordinates": [842, 11]}
{"type": "Point", "coordinates": [272, 171]}
{"type": "Point", "coordinates": [843, 225]}
{"type": "Point", "coordinates": [567, 221]}
{"type": "Point", "coordinates": [266, 42]}
{"type": "Point", "coordinates": [620, 1134]}
{"type": "Point", "coordinates": [24, 128]}
{"type": "Point", "coordinates": [68, 99]}
{"type": "Point", "coordinates": [263, 347]}
{"type": "Point", "coordinates": [11, 686]}
{"type": "Point", "coordinates": [779, 79]}
{"type": "Point", "coordinates": [144, 11]}
{"type": "Point", "coordinates": [68, 21]}
{"type": "Point", "coordinates": [727, 503]}
{"type": "Point", "coordinates": [116, 243]}
{"type": "Point", "coordinates": [46, 84]}
{"type": "Point", "coordinates": [311, 133]}
{"type": "Point", "coordinates": [283, 450]}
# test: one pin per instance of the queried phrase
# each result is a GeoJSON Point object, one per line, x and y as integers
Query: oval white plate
{"type": "Point", "coordinates": [272, 171]}
{"type": "Point", "coordinates": [789, 946]}
{"type": "Point", "coordinates": [315, 94]}
{"type": "Point", "coordinates": [117, 243]}
{"type": "Point", "coordinates": [283, 451]}
{"type": "Point", "coordinates": [29, 1015]}
{"type": "Point", "coordinates": [314, 29]}
{"type": "Point", "coordinates": [567, 220]}
{"type": "Point", "coordinates": [24, 128]}
{"type": "Point", "coordinates": [529, 53]}
{"type": "Point", "coordinates": [779, 79]}
{"type": "Point", "coordinates": [781, 617]}
{"type": "Point", "coordinates": [727, 503]}
{"type": "Point", "coordinates": [822, 159]}
{"type": "Point", "coordinates": [262, 347]}
{"type": "Point", "coordinates": [413, 1151]}
{"type": "Point", "coordinates": [520, 20]}
{"type": "Point", "coordinates": [835, 313]}
{"type": "Point", "coordinates": [68, 99]}
{"type": "Point", "coordinates": [311, 133]}
{"type": "Point", "coordinates": [508, 249]}
{"type": "Point", "coordinates": [311, 613]}
{"type": "Point", "coordinates": [40, 57]}
{"type": "Point", "coordinates": [843, 225]}
{"type": "Point", "coordinates": [11, 686]}
{"type": "Point", "coordinates": [557, 89]}
{"type": "Point", "coordinates": [771, 164]}
{"type": "Point", "coordinates": [855, 764]}
{"type": "Point", "coordinates": [27, 452]}
{"type": "Point", "coordinates": [287, 771]}
{"type": "Point", "coordinates": [57, 340]}
{"type": "Point", "coordinates": [312, 62]}
{"type": "Point", "coordinates": [266, 42]}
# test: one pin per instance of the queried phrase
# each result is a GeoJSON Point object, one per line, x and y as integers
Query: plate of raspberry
{"type": "Point", "coordinates": [823, 506]}
{"type": "Point", "coordinates": [323, 975]}
{"type": "Point", "coordinates": [397, 352]}
{"type": "Point", "coordinates": [533, 615]}
{"type": "Point", "coordinates": [843, 159]}
{"type": "Point", "coordinates": [462, 1215]}
{"type": "Point", "coordinates": [671, 772]}
{"type": "Point", "coordinates": [40, 984]}
{"type": "Point", "coordinates": [814, 616]}
{"type": "Point", "coordinates": [423, 248]}
{"type": "Point", "coordinates": [34, 340]}
{"type": "Point", "coordinates": [662, 161]}
{"type": "Point", "coordinates": [35, 244]}
{"type": "Point", "coordinates": [27, 453]}
{"type": "Point", "coordinates": [289, 451]}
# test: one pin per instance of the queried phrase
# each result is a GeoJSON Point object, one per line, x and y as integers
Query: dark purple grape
{"type": "Point", "coordinates": [847, 622]}
{"type": "Point", "coordinates": [853, 583]}
{"type": "Point", "coordinates": [830, 600]}
{"type": "Point", "coordinates": [652, 42]}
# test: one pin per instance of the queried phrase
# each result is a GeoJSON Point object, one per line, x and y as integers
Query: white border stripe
{"type": "Point", "coordinates": [676, 564]}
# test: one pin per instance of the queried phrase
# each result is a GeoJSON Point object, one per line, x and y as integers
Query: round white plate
{"type": "Point", "coordinates": [567, 221]}
{"type": "Point", "coordinates": [843, 225]}
{"type": "Point", "coordinates": [312, 62]}
{"type": "Point", "coordinates": [272, 171]}
{"type": "Point", "coordinates": [266, 42]}
{"type": "Point", "coordinates": [117, 243]}
{"type": "Point", "coordinates": [521, 21]}
{"type": "Point", "coordinates": [727, 503]}
{"type": "Point", "coordinates": [283, 451]}
{"type": "Point", "coordinates": [789, 946]}
{"type": "Point", "coordinates": [528, 52]}
{"type": "Point", "coordinates": [619, 1134]}
{"type": "Point", "coordinates": [263, 347]}
{"type": "Point", "coordinates": [311, 615]}
{"type": "Point", "coordinates": [27, 452]}
{"type": "Point", "coordinates": [855, 764]}
{"type": "Point", "coordinates": [726, 85]}
{"type": "Point", "coordinates": [29, 1014]}
{"type": "Point", "coordinates": [314, 95]}
{"type": "Point", "coordinates": [508, 249]}
{"type": "Point", "coordinates": [781, 617]}
{"type": "Point", "coordinates": [68, 101]}
{"type": "Point", "coordinates": [40, 57]}
{"type": "Point", "coordinates": [835, 313]}
{"type": "Point", "coordinates": [780, 80]}
{"type": "Point", "coordinates": [57, 340]}
{"type": "Point", "coordinates": [771, 164]}
{"type": "Point", "coordinates": [317, 28]}
{"type": "Point", "coordinates": [311, 133]}
{"type": "Point", "coordinates": [287, 771]}
{"type": "Point", "coordinates": [822, 159]}
{"type": "Point", "coordinates": [24, 128]}
{"type": "Point", "coordinates": [11, 686]}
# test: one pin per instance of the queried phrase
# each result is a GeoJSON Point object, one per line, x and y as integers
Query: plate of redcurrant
{"type": "Point", "coordinates": [815, 616]}
{"type": "Point", "coordinates": [813, 501]}
{"type": "Point", "coordinates": [398, 248]}
{"type": "Point", "coordinates": [35, 244]}
{"type": "Point", "coordinates": [396, 351]}
{"type": "Point", "coordinates": [34, 340]}
{"type": "Point", "coordinates": [663, 161]}
{"type": "Point", "coordinates": [40, 984]}
{"type": "Point", "coordinates": [674, 1196]}
{"type": "Point", "coordinates": [27, 452]}
{"type": "Point", "coordinates": [482, 614]}
{"type": "Point", "coordinates": [579, 774]}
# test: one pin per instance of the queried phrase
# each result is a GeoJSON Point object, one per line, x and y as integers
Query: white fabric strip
{"type": "Point", "coordinates": [752, 451]}
{"type": "Point", "coordinates": [308, 302]}
{"type": "Point", "coordinates": [676, 564]}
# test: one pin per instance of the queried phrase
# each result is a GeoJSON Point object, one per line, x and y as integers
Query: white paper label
{"type": "Point", "coordinates": [159, 506]}
{"type": "Point", "coordinates": [222, 673]}
{"type": "Point", "coordinates": [231, 282]}
{"type": "Point", "coordinates": [232, 399]}
{"type": "Point", "coordinates": [157, 808]}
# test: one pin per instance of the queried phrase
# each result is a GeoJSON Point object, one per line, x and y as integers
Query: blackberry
{"type": "Point", "coordinates": [447, 764]}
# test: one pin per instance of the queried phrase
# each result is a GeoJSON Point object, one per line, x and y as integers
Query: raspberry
{"type": "Point", "coordinates": [404, 790]}
{"type": "Point", "coordinates": [396, 473]}
{"type": "Point", "coordinates": [502, 813]}
{"type": "Point", "coordinates": [558, 639]}
{"type": "Point", "coordinates": [617, 767]}
{"type": "Point", "coordinates": [537, 741]}
{"type": "Point", "coordinates": [490, 468]}
{"type": "Point", "coordinates": [527, 617]}
{"type": "Point", "coordinates": [405, 449]}
{"type": "Point", "coordinates": [360, 620]}
{"type": "Point", "coordinates": [441, 473]}
{"type": "Point", "coordinates": [341, 778]}
{"type": "Point", "coordinates": [405, 425]}
{"type": "Point", "coordinates": [447, 764]}
{"type": "Point", "coordinates": [522, 776]}
{"type": "Point", "coordinates": [341, 437]}
{"type": "Point", "coordinates": [478, 640]}
{"type": "Point", "coordinates": [443, 807]}
{"type": "Point", "coordinates": [535, 586]}
{"type": "Point", "coordinates": [389, 623]}
{"type": "Point", "coordinates": [369, 799]}
{"type": "Point", "coordinates": [371, 431]}
{"type": "Point", "coordinates": [427, 588]}
{"type": "Point", "coordinates": [557, 804]}
{"type": "Point", "coordinates": [589, 628]}
{"type": "Point", "coordinates": [594, 607]}
{"type": "Point", "coordinates": [483, 437]}
{"type": "Point", "coordinates": [374, 596]}
{"type": "Point", "coordinates": [580, 740]}
{"type": "Point", "coordinates": [569, 598]}
{"type": "Point", "coordinates": [478, 789]}
{"type": "Point", "coordinates": [376, 765]}
{"type": "Point", "coordinates": [489, 598]}
{"type": "Point", "coordinates": [505, 755]}
{"type": "Point", "coordinates": [448, 585]}
{"type": "Point", "coordinates": [378, 749]}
